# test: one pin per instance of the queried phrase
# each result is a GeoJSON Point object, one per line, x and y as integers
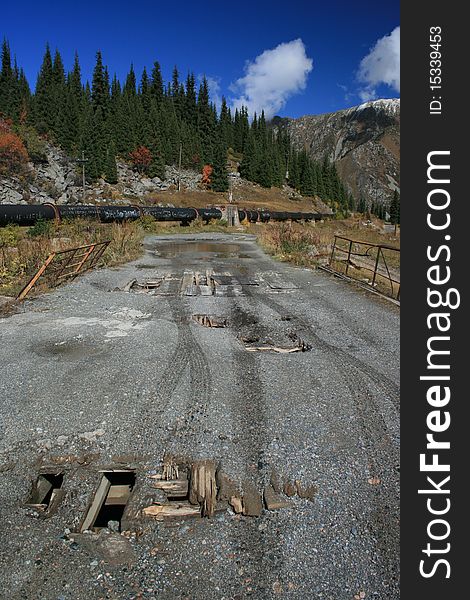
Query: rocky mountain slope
{"type": "Point", "coordinates": [363, 141]}
{"type": "Point", "coordinates": [58, 179]}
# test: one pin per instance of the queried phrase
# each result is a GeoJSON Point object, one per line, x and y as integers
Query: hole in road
{"type": "Point", "coordinates": [196, 249]}
{"type": "Point", "coordinates": [210, 321]}
{"type": "Point", "coordinates": [143, 287]}
{"type": "Point", "coordinates": [145, 266]}
{"type": "Point", "coordinates": [189, 491]}
{"type": "Point", "coordinates": [45, 489]}
{"type": "Point", "coordinates": [110, 501]}
{"type": "Point", "coordinates": [254, 344]}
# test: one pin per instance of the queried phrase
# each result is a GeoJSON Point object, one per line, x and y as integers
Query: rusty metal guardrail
{"type": "Point", "coordinates": [66, 265]}
{"type": "Point", "coordinates": [355, 257]}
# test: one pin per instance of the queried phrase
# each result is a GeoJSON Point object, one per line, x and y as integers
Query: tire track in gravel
{"type": "Point", "coordinates": [382, 454]}
{"type": "Point", "coordinates": [389, 386]}
{"type": "Point", "coordinates": [249, 414]}
{"type": "Point", "coordinates": [188, 352]}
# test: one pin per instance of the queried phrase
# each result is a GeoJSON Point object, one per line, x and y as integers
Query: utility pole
{"type": "Point", "coordinates": [230, 192]}
{"type": "Point", "coordinates": [179, 167]}
{"type": "Point", "coordinates": [83, 161]}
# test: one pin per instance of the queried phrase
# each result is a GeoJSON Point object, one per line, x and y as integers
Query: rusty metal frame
{"type": "Point", "coordinates": [66, 265]}
{"type": "Point", "coordinates": [378, 259]}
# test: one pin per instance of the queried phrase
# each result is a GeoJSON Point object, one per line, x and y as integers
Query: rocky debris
{"type": "Point", "coordinates": [91, 436]}
{"type": "Point", "coordinates": [237, 504]}
{"type": "Point", "coordinates": [190, 180]}
{"type": "Point", "coordinates": [227, 488]}
{"type": "Point", "coordinates": [109, 546]}
{"type": "Point", "coordinates": [10, 193]}
{"type": "Point", "coordinates": [273, 500]}
{"type": "Point", "coordinates": [363, 141]}
{"type": "Point", "coordinates": [305, 492]}
{"type": "Point", "coordinates": [297, 488]}
{"type": "Point", "coordinates": [59, 179]}
{"type": "Point", "coordinates": [289, 489]}
{"type": "Point", "coordinates": [252, 501]}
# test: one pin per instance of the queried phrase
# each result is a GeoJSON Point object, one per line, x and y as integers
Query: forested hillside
{"type": "Point", "coordinates": [148, 122]}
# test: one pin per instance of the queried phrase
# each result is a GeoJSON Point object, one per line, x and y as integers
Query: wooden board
{"type": "Point", "coordinates": [97, 503]}
{"type": "Point", "coordinates": [162, 511]}
{"type": "Point", "coordinates": [176, 488]}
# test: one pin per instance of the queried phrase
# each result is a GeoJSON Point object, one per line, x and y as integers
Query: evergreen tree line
{"type": "Point", "coordinates": [108, 119]}
{"type": "Point", "coordinates": [379, 209]}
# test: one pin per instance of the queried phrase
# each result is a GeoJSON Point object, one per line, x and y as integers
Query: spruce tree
{"type": "Point", "coordinates": [395, 209]}
{"type": "Point", "coordinates": [100, 86]}
{"type": "Point", "coordinates": [44, 106]}
{"type": "Point", "coordinates": [190, 103]}
{"type": "Point", "coordinates": [6, 82]}
{"type": "Point", "coordinates": [205, 123]}
{"type": "Point", "coordinates": [219, 177]}
{"type": "Point", "coordinates": [156, 86]}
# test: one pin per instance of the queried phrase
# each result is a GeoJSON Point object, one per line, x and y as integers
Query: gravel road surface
{"type": "Point", "coordinates": [295, 398]}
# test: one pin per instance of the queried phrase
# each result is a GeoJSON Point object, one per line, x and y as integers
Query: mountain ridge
{"type": "Point", "coordinates": [363, 141]}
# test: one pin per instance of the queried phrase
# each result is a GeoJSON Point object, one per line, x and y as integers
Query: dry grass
{"type": "Point", "coordinates": [245, 195]}
{"type": "Point", "coordinates": [24, 249]}
{"type": "Point", "coordinates": [311, 244]}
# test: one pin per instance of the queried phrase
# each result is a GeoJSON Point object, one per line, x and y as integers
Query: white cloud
{"type": "Point", "coordinates": [381, 66]}
{"type": "Point", "coordinates": [214, 90]}
{"type": "Point", "coordinates": [272, 78]}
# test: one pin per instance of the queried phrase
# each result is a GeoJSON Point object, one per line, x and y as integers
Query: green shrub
{"type": "Point", "coordinates": [41, 228]}
{"type": "Point", "coordinates": [9, 236]}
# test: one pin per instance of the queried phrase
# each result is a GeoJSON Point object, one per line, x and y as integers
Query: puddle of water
{"type": "Point", "coordinates": [145, 266]}
{"type": "Point", "coordinates": [171, 250]}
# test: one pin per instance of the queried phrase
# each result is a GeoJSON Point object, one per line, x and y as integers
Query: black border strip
{"type": "Point", "coordinates": [423, 132]}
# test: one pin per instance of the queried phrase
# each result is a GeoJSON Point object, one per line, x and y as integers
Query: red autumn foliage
{"type": "Point", "coordinates": [13, 154]}
{"type": "Point", "coordinates": [206, 173]}
{"type": "Point", "coordinates": [141, 158]}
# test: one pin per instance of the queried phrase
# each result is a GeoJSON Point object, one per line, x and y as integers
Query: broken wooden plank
{"type": "Point", "coordinates": [118, 494]}
{"type": "Point", "coordinates": [176, 488]}
{"type": "Point", "coordinates": [237, 504]}
{"type": "Point", "coordinates": [162, 511]}
{"type": "Point", "coordinates": [274, 501]}
{"type": "Point", "coordinates": [202, 486]}
{"type": "Point", "coordinates": [128, 286]}
{"type": "Point", "coordinates": [97, 503]}
{"type": "Point", "coordinates": [42, 489]}
{"type": "Point", "coordinates": [41, 507]}
{"type": "Point", "coordinates": [278, 283]}
{"type": "Point", "coordinates": [206, 290]}
{"type": "Point", "coordinates": [222, 279]}
{"type": "Point", "coordinates": [170, 468]}
{"type": "Point", "coordinates": [187, 280]}
{"type": "Point", "coordinates": [277, 349]}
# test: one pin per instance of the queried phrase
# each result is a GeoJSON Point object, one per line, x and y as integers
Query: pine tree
{"type": "Point", "coordinates": [106, 119]}
{"type": "Point", "coordinates": [100, 86]}
{"type": "Point", "coordinates": [395, 209]}
{"type": "Point", "coordinates": [44, 105]}
{"type": "Point", "coordinates": [219, 177]}
{"type": "Point", "coordinates": [250, 158]}
{"type": "Point", "coordinates": [205, 123]}
{"type": "Point", "coordinates": [190, 102]}
{"type": "Point", "coordinates": [7, 81]}
{"type": "Point", "coordinates": [156, 86]}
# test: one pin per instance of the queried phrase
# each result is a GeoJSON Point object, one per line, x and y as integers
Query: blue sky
{"type": "Point", "coordinates": [292, 58]}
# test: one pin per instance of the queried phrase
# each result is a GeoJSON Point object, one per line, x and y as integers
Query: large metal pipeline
{"type": "Point", "coordinates": [27, 215]}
